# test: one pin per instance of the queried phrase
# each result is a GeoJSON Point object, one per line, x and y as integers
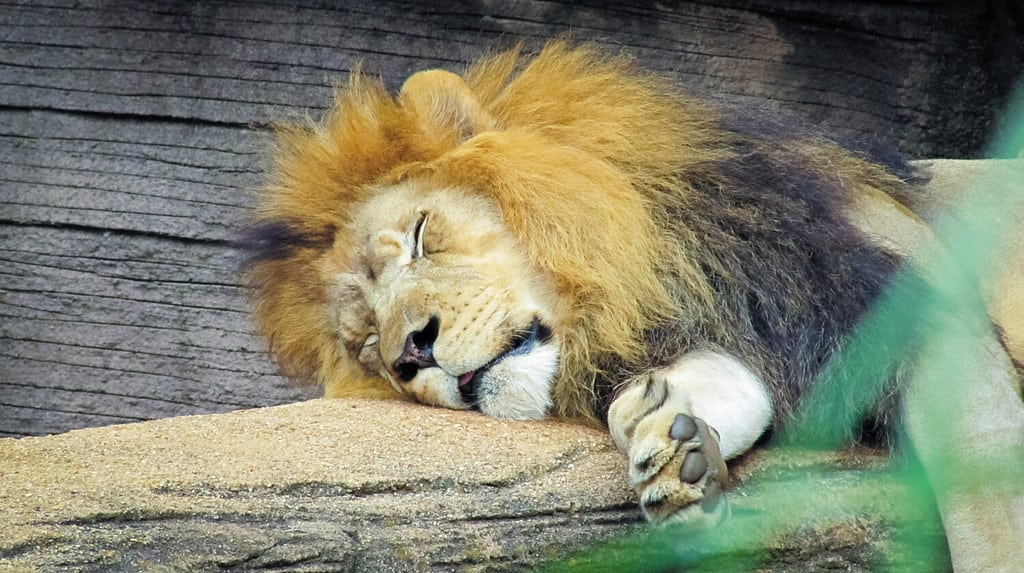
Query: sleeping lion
{"type": "Point", "coordinates": [565, 235]}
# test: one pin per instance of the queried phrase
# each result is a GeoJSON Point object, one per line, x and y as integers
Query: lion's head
{"type": "Point", "coordinates": [436, 296]}
{"type": "Point", "coordinates": [479, 241]}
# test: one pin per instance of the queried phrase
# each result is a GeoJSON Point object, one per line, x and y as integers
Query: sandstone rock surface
{"type": "Point", "coordinates": [322, 484]}
{"type": "Point", "coordinates": [382, 486]}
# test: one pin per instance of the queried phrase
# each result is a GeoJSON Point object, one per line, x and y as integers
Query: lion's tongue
{"type": "Point", "coordinates": [465, 378]}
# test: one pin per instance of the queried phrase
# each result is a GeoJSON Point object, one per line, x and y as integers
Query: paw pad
{"type": "Point", "coordinates": [683, 428]}
{"type": "Point", "coordinates": [694, 467]}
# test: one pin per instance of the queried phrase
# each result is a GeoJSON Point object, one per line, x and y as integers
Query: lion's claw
{"type": "Point", "coordinates": [712, 495]}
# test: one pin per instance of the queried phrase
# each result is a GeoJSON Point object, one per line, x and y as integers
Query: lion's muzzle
{"type": "Point", "coordinates": [521, 343]}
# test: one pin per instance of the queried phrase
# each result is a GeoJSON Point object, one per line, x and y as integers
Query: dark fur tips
{"type": "Point", "coordinates": [272, 240]}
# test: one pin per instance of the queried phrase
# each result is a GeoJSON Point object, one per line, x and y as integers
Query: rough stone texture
{"type": "Point", "coordinates": [322, 484]}
{"type": "Point", "coordinates": [363, 486]}
{"type": "Point", "coordinates": [130, 134]}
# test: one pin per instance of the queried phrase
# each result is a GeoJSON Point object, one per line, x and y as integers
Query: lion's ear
{"type": "Point", "coordinates": [444, 105]}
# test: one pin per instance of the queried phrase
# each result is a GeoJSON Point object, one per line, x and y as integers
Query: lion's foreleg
{"type": "Point", "coordinates": [679, 424]}
{"type": "Point", "coordinates": [966, 422]}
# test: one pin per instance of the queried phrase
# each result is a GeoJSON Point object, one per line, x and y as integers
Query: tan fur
{"type": "Point", "coordinates": [955, 183]}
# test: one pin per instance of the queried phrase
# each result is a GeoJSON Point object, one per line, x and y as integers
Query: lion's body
{"type": "Point", "coordinates": [664, 224]}
{"type": "Point", "coordinates": [567, 235]}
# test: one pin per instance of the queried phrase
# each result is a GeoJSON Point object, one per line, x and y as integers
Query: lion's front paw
{"type": "Point", "coordinates": [681, 476]}
{"type": "Point", "coordinates": [674, 461]}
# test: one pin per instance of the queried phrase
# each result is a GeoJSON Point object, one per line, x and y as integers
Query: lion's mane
{"type": "Point", "coordinates": [666, 222]}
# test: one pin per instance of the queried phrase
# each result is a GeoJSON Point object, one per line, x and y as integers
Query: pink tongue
{"type": "Point", "coordinates": [465, 378]}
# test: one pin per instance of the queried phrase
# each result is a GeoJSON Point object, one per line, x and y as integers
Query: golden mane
{"type": "Point", "coordinates": [589, 159]}
{"type": "Point", "coordinates": [587, 153]}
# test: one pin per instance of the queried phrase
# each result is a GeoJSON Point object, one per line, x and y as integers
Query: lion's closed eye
{"type": "Point", "coordinates": [419, 248]}
{"type": "Point", "coordinates": [371, 340]}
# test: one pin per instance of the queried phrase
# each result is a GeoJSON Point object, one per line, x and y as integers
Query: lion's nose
{"type": "Point", "coordinates": [419, 350]}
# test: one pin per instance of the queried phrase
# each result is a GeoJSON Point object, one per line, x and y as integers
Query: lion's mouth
{"type": "Point", "coordinates": [521, 343]}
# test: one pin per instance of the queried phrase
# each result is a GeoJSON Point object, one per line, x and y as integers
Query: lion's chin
{"type": "Point", "coordinates": [519, 387]}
